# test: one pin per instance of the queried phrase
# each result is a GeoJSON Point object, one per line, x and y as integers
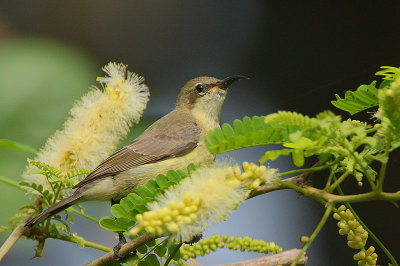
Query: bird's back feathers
{"type": "Point", "coordinates": [179, 135]}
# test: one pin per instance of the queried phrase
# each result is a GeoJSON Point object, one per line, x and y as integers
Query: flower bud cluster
{"type": "Point", "coordinates": [206, 245]}
{"type": "Point", "coordinates": [366, 257]}
{"type": "Point", "coordinates": [168, 219]}
{"type": "Point", "coordinates": [253, 175]}
{"type": "Point", "coordinates": [358, 177]}
{"type": "Point", "coordinates": [187, 209]}
{"type": "Point", "coordinates": [356, 236]}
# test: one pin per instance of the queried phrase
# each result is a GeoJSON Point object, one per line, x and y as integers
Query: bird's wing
{"type": "Point", "coordinates": [176, 140]}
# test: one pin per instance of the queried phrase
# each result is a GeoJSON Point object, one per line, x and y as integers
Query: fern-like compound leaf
{"type": "Point", "coordinates": [389, 72]}
{"type": "Point", "coordinates": [135, 203]}
{"type": "Point", "coordinates": [366, 96]}
{"type": "Point", "coordinates": [77, 172]}
{"type": "Point", "coordinates": [291, 119]}
{"type": "Point", "coordinates": [246, 133]}
{"type": "Point", "coordinates": [52, 174]}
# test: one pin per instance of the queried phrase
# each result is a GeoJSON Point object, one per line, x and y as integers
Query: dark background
{"type": "Point", "coordinates": [298, 55]}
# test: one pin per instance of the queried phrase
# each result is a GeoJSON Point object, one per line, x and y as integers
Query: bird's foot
{"type": "Point", "coordinates": [122, 241]}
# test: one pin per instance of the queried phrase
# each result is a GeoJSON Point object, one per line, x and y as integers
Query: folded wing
{"type": "Point", "coordinates": [177, 139]}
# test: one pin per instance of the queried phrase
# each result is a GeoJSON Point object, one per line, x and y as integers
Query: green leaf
{"type": "Point", "coordinates": [143, 192]}
{"type": "Point", "coordinates": [152, 186]}
{"type": "Point", "coordinates": [118, 211]}
{"type": "Point", "coordinates": [366, 96]}
{"type": "Point", "coordinates": [272, 155]}
{"type": "Point", "coordinates": [298, 157]}
{"type": "Point", "coordinates": [152, 260]}
{"type": "Point", "coordinates": [173, 176]}
{"type": "Point", "coordinates": [13, 145]}
{"type": "Point", "coordinates": [116, 225]}
{"type": "Point", "coordinates": [389, 72]}
{"type": "Point", "coordinates": [135, 203]}
{"type": "Point", "coordinates": [135, 199]}
{"type": "Point", "coordinates": [152, 243]}
{"type": "Point", "coordinates": [162, 181]}
{"type": "Point", "coordinates": [161, 250]}
{"type": "Point", "coordinates": [302, 143]}
{"type": "Point", "coordinates": [142, 249]}
{"type": "Point", "coordinates": [3, 228]}
{"type": "Point", "coordinates": [291, 119]}
{"type": "Point", "coordinates": [177, 255]}
{"type": "Point", "coordinates": [129, 260]}
{"type": "Point", "coordinates": [33, 171]}
{"type": "Point", "coordinates": [191, 168]}
{"type": "Point", "coordinates": [142, 263]}
{"type": "Point", "coordinates": [227, 130]}
{"type": "Point", "coordinates": [141, 208]}
{"type": "Point", "coordinates": [77, 172]}
{"type": "Point", "coordinates": [238, 127]}
{"type": "Point", "coordinates": [249, 132]}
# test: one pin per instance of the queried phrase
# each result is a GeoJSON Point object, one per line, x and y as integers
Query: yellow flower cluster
{"type": "Point", "coordinates": [187, 209]}
{"type": "Point", "coordinates": [366, 257]}
{"type": "Point", "coordinates": [253, 175]}
{"type": "Point", "coordinates": [169, 218]}
{"type": "Point", "coordinates": [206, 245]}
{"type": "Point", "coordinates": [356, 236]}
{"type": "Point", "coordinates": [209, 195]}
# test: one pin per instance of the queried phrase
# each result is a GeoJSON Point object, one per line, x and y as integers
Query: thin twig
{"type": "Point", "coordinates": [84, 242]}
{"type": "Point", "coordinates": [91, 218]}
{"type": "Point", "coordinates": [16, 234]}
{"type": "Point", "coordinates": [314, 234]}
{"type": "Point", "coordinates": [298, 180]}
{"type": "Point", "coordinates": [125, 250]}
{"type": "Point", "coordinates": [13, 238]}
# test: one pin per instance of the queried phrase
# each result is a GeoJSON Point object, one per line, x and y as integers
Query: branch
{"type": "Point", "coordinates": [85, 243]}
{"type": "Point", "coordinates": [125, 250]}
{"type": "Point", "coordinates": [13, 238]}
{"type": "Point", "coordinates": [283, 258]}
{"type": "Point", "coordinates": [299, 180]}
{"type": "Point", "coordinates": [312, 192]}
{"type": "Point", "coordinates": [300, 184]}
{"type": "Point", "coordinates": [17, 233]}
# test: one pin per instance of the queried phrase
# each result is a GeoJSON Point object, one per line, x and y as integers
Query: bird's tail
{"type": "Point", "coordinates": [56, 208]}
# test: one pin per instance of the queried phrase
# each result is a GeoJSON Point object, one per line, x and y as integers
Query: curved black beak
{"type": "Point", "coordinates": [226, 82]}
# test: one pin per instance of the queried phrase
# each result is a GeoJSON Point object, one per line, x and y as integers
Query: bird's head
{"type": "Point", "coordinates": [206, 94]}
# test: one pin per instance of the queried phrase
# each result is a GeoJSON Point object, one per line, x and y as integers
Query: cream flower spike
{"type": "Point", "coordinates": [97, 123]}
{"type": "Point", "coordinates": [207, 197]}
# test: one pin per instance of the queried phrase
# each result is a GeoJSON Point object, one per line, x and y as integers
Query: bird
{"type": "Point", "coordinates": [172, 142]}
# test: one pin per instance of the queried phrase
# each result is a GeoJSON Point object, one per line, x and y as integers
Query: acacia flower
{"type": "Point", "coordinates": [253, 175]}
{"type": "Point", "coordinates": [96, 124]}
{"type": "Point", "coordinates": [208, 196]}
{"type": "Point", "coordinates": [206, 245]}
{"type": "Point", "coordinates": [356, 236]}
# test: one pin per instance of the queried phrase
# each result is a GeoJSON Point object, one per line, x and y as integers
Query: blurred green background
{"type": "Point", "coordinates": [298, 55]}
{"type": "Point", "coordinates": [40, 81]}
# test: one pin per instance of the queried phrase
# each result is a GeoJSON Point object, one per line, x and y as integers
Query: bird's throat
{"type": "Point", "coordinates": [207, 119]}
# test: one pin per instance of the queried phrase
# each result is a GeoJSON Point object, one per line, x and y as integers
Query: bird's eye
{"type": "Point", "coordinates": [200, 88]}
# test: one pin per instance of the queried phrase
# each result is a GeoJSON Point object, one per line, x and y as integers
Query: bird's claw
{"type": "Point", "coordinates": [122, 241]}
{"type": "Point", "coordinates": [116, 250]}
